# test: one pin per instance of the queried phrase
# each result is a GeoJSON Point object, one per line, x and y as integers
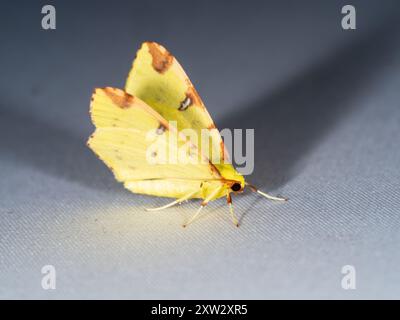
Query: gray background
{"type": "Point", "coordinates": [325, 106]}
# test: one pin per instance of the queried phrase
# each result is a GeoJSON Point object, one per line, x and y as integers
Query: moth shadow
{"type": "Point", "coordinates": [292, 121]}
{"type": "Point", "coordinates": [26, 140]}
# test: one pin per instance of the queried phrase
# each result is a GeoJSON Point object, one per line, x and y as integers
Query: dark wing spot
{"type": "Point", "coordinates": [120, 98]}
{"type": "Point", "coordinates": [185, 104]}
{"type": "Point", "coordinates": [154, 154]}
{"type": "Point", "coordinates": [161, 129]}
{"type": "Point", "coordinates": [162, 59]}
{"type": "Point", "coordinates": [192, 98]}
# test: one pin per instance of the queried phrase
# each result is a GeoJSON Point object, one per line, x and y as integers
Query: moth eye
{"type": "Point", "coordinates": [236, 187]}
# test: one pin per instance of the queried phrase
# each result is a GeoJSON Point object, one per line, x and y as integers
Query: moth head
{"type": "Point", "coordinates": [236, 186]}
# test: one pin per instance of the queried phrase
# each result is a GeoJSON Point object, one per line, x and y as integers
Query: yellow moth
{"type": "Point", "coordinates": [160, 99]}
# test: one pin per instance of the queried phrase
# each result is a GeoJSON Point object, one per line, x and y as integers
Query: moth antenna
{"type": "Point", "coordinates": [266, 195]}
{"type": "Point", "coordinates": [177, 201]}
{"type": "Point", "coordinates": [233, 216]}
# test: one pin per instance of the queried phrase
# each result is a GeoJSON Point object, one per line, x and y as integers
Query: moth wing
{"type": "Point", "coordinates": [173, 188]}
{"type": "Point", "coordinates": [135, 142]}
{"type": "Point", "coordinates": [158, 79]}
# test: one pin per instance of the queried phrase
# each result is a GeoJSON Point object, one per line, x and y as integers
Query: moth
{"type": "Point", "coordinates": [158, 93]}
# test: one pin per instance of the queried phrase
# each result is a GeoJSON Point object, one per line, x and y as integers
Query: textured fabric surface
{"type": "Point", "coordinates": [324, 103]}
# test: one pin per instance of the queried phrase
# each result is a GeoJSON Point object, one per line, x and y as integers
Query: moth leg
{"type": "Point", "coordinates": [195, 215]}
{"type": "Point", "coordinates": [266, 195]}
{"type": "Point", "coordinates": [186, 197]}
{"type": "Point", "coordinates": [233, 216]}
{"type": "Point", "coordinates": [203, 204]}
